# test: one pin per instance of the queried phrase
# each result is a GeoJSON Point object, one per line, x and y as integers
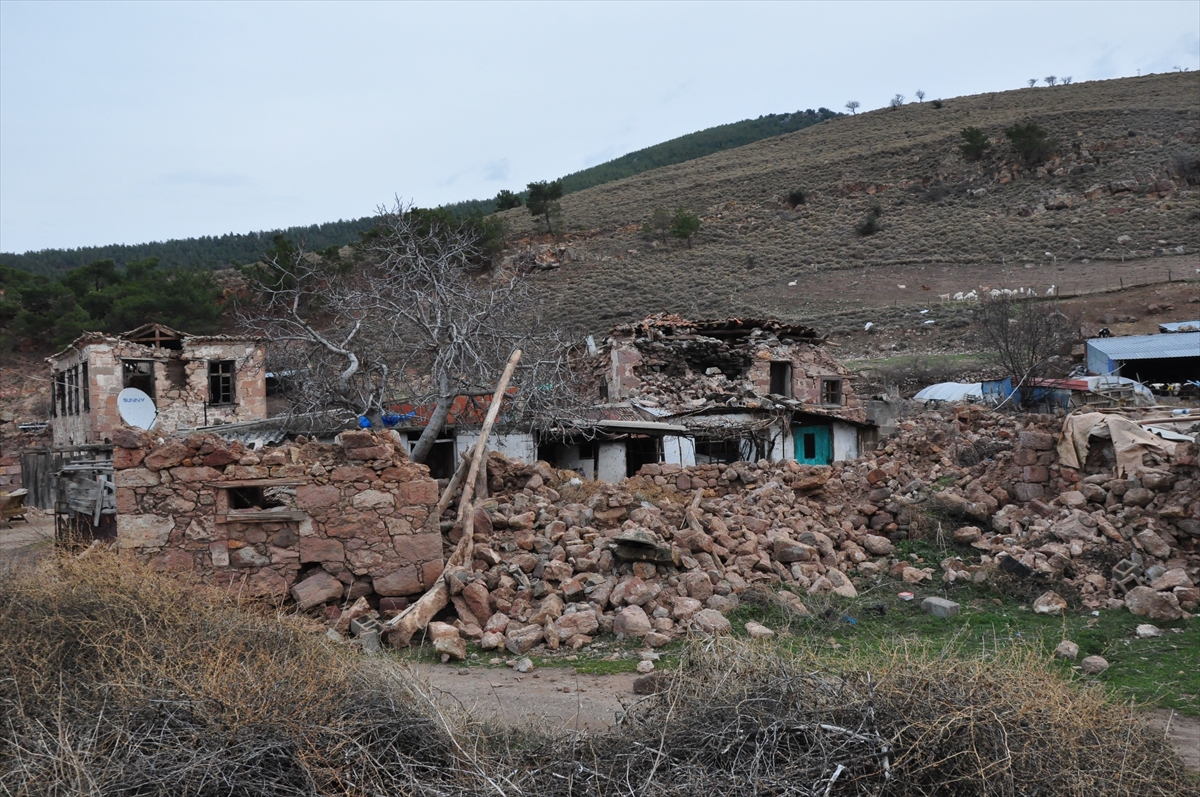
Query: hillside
{"type": "Point", "coordinates": [1122, 188]}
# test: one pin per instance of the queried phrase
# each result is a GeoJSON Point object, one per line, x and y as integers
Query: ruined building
{"type": "Point", "coordinates": [691, 392]}
{"type": "Point", "coordinates": [194, 381]}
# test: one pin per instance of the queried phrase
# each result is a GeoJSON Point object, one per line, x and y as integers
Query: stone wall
{"type": "Point", "coordinates": [350, 520]}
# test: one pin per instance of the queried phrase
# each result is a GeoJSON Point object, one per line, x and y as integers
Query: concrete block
{"type": "Point", "coordinates": [940, 607]}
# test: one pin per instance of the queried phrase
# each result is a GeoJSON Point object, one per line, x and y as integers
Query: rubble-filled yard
{"type": "Point", "coordinates": [962, 504]}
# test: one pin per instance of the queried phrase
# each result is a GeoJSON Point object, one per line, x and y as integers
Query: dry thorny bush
{"type": "Point", "coordinates": [117, 680]}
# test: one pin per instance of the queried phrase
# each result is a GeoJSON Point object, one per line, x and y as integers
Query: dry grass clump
{"type": "Point", "coordinates": [739, 719]}
{"type": "Point", "coordinates": [115, 680]}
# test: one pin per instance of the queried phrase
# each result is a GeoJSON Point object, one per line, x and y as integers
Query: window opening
{"type": "Point", "coordinates": [72, 390]}
{"type": "Point", "coordinates": [781, 379]}
{"type": "Point", "coordinates": [139, 374]}
{"type": "Point", "coordinates": [831, 391]}
{"type": "Point", "coordinates": [251, 498]}
{"type": "Point", "coordinates": [810, 445]}
{"type": "Point", "coordinates": [441, 458]}
{"type": "Point", "coordinates": [87, 390]}
{"type": "Point", "coordinates": [641, 450]}
{"type": "Point", "coordinates": [220, 381]}
{"type": "Point", "coordinates": [720, 451]}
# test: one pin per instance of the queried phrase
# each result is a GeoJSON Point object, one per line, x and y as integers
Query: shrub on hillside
{"type": "Point", "coordinates": [684, 225]}
{"type": "Point", "coordinates": [975, 143]}
{"type": "Point", "coordinates": [870, 223]}
{"type": "Point", "coordinates": [1031, 142]}
{"type": "Point", "coordinates": [796, 197]}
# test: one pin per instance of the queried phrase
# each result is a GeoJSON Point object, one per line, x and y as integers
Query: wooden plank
{"type": "Point", "coordinates": [261, 516]}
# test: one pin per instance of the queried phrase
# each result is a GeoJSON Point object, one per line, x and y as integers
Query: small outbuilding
{"type": "Point", "coordinates": [193, 380]}
{"type": "Point", "coordinates": [1169, 357]}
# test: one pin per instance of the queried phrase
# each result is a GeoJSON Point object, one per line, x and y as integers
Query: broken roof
{"type": "Point", "coordinates": [152, 334]}
{"type": "Point", "coordinates": [672, 324]}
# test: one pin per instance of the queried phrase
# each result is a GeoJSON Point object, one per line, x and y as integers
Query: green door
{"type": "Point", "coordinates": [814, 445]}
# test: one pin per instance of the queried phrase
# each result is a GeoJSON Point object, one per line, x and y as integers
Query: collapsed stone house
{"type": "Point", "coordinates": [688, 392]}
{"type": "Point", "coordinates": [194, 381]}
{"type": "Point", "coordinates": [670, 390]}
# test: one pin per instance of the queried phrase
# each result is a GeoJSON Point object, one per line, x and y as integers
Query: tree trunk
{"type": "Point", "coordinates": [436, 421]}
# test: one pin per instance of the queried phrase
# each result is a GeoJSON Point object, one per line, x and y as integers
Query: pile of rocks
{"type": "Point", "coordinates": [669, 550]}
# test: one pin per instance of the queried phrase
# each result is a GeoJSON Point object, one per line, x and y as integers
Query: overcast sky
{"type": "Point", "coordinates": [130, 122]}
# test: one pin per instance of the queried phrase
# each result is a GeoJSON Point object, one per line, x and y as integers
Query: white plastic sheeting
{"type": "Point", "coordinates": [952, 391]}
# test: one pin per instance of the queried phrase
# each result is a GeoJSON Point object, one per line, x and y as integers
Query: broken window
{"type": "Point", "coordinates": [87, 389]}
{"type": "Point", "coordinates": [831, 391]}
{"type": "Point", "coordinates": [220, 382]}
{"type": "Point", "coordinates": [781, 379]}
{"type": "Point", "coordinates": [139, 374]}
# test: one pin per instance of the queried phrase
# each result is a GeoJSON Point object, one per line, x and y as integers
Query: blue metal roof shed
{"type": "Point", "coordinates": [1177, 356]}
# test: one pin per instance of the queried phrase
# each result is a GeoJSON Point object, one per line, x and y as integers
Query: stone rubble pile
{"type": "Point", "coordinates": [669, 551]}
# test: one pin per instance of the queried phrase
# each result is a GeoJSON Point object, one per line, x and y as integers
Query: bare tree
{"type": "Point", "coordinates": [1050, 80]}
{"type": "Point", "coordinates": [853, 106]}
{"type": "Point", "coordinates": [418, 318]}
{"type": "Point", "coordinates": [1066, 81]}
{"type": "Point", "coordinates": [1029, 338]}
{"type": "Point", "coordinates": [897, 101]}
{"type": "Point", "coordinates": [920, 94]}
{"type": "Point", "coordinates": [1032, 82]}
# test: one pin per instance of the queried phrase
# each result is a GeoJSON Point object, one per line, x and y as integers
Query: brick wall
{"type": "Point", "coordinates": [353, 521]}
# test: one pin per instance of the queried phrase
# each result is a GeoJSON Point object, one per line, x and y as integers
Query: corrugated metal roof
{"type": "Point", "coordinates": [1180, 326]}
{"type": "Point", "coordinates": [1146, 347]}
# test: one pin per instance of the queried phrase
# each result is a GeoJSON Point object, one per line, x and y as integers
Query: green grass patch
{"type": "Point", "coordinates": [1161, 671]}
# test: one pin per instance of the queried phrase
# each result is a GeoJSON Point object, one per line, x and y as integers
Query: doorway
{"type": "Point", "coordinates": [814, 445]}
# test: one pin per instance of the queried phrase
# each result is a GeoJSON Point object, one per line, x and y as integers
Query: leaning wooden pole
{"type": "Point", "coordinates": [417, 616]}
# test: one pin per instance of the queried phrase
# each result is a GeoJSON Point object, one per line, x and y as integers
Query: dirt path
{"type": "Point", "coordinates": [557, 700]}
{"type": "Point", "coordinates": [27, 541]}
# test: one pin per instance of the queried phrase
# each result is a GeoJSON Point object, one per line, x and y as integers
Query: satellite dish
{"type": "Point", "coordinates": [136, 408]}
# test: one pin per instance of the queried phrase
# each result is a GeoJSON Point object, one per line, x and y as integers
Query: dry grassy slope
{"type": "Point", "coordinates": [752, 244]}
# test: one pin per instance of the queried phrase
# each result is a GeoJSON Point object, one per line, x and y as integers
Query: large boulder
{"type": "Point", "coordinates": [1153, 605]}
{"type": "Point", "coordinates": [632, 623]}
